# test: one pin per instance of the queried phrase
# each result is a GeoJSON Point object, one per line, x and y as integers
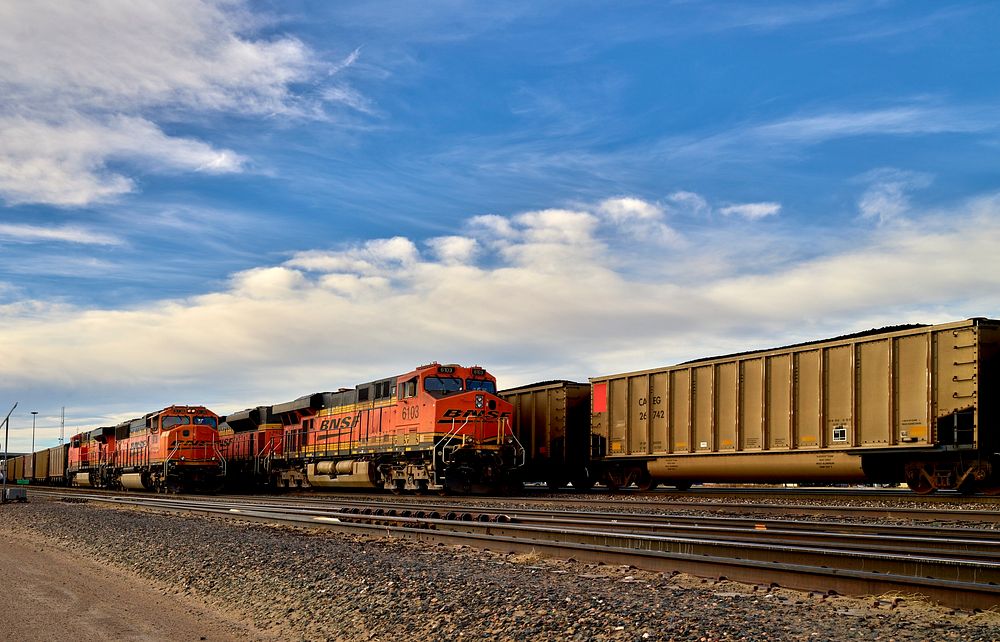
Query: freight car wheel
{"type": "Point", "coordinates": [645, 482]}
{"type": "Point", "coordinates": [583, 484]}
{"type": "Point", "coordinates": [918, 481]}
{"type": "Point", "coordinates": [682, 485]}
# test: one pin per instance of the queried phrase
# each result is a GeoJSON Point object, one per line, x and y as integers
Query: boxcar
{"type": "Point", "coordinates": [917, 405]}
{"type": "Point", "coordinates": [551, 421]}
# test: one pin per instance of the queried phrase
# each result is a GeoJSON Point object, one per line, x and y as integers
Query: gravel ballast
{"type": "Point", "coordinates": [294, 584]}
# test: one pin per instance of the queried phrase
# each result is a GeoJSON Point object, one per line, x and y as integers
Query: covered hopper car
{"type": "Point", "coordinates": [915, 405]}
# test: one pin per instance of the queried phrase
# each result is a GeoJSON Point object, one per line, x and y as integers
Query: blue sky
{"type": "Point", "coordinates": [234, 203]}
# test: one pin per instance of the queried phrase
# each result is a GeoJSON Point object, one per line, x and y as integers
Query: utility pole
{"type": "Point", "coordinates": [33, 414]}
{"type": "Point", "coordinates": [62, 427]}
{"type": "Point", "coordinates": [6, 451]}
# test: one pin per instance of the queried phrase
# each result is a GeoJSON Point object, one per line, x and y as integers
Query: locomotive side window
{"type": "Point", "coordinates": [363, 393]}
{"type": "Point", "coordinates": [410, 388]}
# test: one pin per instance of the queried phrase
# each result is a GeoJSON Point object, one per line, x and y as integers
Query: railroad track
{"type": "Point", "coordinates": [952, 566]}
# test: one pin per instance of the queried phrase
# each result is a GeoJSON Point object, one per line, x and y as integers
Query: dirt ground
{"type": "Point", "coordinates": [50, 595]}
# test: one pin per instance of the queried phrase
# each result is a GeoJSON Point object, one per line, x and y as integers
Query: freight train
{"type": "Point", "coordinates": [174, 449]}
{"type": "Point", "coordinates": [438, 427]}
{"type": "Point", "coordinates": [907, 404]}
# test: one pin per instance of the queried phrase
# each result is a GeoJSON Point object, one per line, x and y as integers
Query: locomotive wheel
{"type": "Point", "coordinates": [421, 487]}
{"type": "Point", "coordinates": [397, 488]}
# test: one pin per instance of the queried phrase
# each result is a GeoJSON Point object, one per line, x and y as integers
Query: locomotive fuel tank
{"type": "Point", "coordinates": [133, 481]}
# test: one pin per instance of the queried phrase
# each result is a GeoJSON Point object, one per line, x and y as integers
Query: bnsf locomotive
{"type": "Point", "coordinates": [174, 449]}
{"type": "Point", "coordinates": [439, 427]}
{"type": "Point", "coordinates": [171, 450]}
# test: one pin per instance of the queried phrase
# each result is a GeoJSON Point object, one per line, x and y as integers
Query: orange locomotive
{"type": "Point", "coordinates": [250, 441]}
{"type": "Point", "coordinates": [439, 427]}
{"type": "Point", "coordinates": [174, 449]}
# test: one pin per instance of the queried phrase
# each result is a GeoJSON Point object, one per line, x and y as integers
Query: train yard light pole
{"type": "Point", "coordinates": [6, 450]}
{"type": "Point", "coordinates": [33, 413]}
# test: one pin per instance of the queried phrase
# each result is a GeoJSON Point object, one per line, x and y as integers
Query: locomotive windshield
{"type": "Point", "coordinates": [479, 384]}
{"type": "Point", "coordinates": [205, 421]}
{"type": "Point", "coordinates": [442, 384]}
{"type": "Point", "coordinates": [175, 421]}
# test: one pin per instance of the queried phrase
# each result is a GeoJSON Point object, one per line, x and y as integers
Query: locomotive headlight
{"type": "Point", "coordinates": [479, 401]}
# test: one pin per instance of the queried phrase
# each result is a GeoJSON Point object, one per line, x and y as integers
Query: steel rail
{"type": "Point", "coordinates": [965, 582]}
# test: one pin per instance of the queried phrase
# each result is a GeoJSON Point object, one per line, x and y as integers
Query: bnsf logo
{"type": "Point", "coordinates": [344, 423]}
{"type": "Point", "coordinates": [484, 414]}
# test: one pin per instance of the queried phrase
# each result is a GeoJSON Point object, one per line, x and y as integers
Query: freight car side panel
{"type": "Point", "coordinates": [57, 462]}
{"type": "Point", "coordinates": [874, 398]}
{"type": "Point", "coordinates": [808, 381]}
{"type": "Point", "coordinates": [703, 421]}
{"type": "Point", "coordinates": [778, 402]}
{"type": "Point", "coordinates": [838, 393]}
{"type": "Point", "coordinates": [727, 405]}
{"type": "Point", "coordinates": [912, 401]}
{"type": "Point", "coordinates": [41, 465]}
{"type": "Point", "coordinates": [659, 402]}
{"type": "Point", "coordinates": [680, 410]}
{"type": "Point", "coordinates": [751, 404]}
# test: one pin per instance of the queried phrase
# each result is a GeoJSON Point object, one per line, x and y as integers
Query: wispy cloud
{"type": "Point", "coordinates": [754, 140]}
{"type": "Point", "coordinates": [68, 234]}
{"type": "Point", "coordinates": [886, 197]}
{"type": "Point", "coordinates": [751, 211]}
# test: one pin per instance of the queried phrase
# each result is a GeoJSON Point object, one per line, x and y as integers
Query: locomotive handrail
{"type": "Point", "coordinates": [218, 453]}
{"type": "Point", "coordinates": [264, 454]}
{"type": "Point", "coordinates": [520, 446]}
{"type": "Point", "coordinates": [166, 460]}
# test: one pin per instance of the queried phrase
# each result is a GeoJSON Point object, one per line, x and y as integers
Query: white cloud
{"type": "Point", "coordinates": [68, 234]}
{"type": "Point", "coordinates": [751, 211]}
{"type": "Point", "coordinates": [640, 219]}
{"type": "Point", "coordinates": [84, 84]}
{"type": "Point", "coordinates": [454, 249]}
{"type": "Point", "coordinates": [623, 209]}
{"type": "Point", "coordinates": [886, 197]}
{"type": "Point", "coordinates": [690, 201]}
{"type": "Point", "coordinates": [66, 163]}
{"type": "Point", "coordinates": [556, 300]}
